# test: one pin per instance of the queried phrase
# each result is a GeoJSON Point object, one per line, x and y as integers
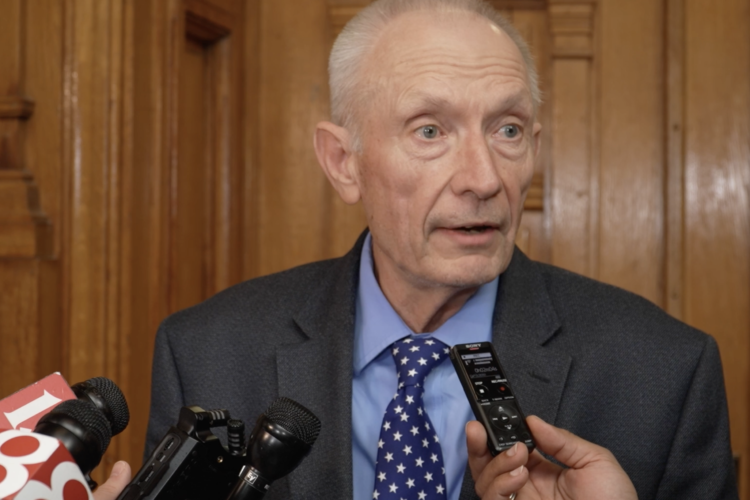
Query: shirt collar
{"type": "Point", "coordinates": [377, 325]}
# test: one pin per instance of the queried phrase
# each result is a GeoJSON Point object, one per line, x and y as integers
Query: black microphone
{"type": "Point", "coordinates": [107, 398]}
{"type": "Point", "coordinates": [85, 426]}
{"type": "Point", "coordinates": [282, 437]}
{"type": "Point", "coordinates": [82, 429]}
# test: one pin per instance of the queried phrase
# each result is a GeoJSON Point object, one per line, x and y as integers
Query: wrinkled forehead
{"type": "Point", "coordinates": [434, 56]}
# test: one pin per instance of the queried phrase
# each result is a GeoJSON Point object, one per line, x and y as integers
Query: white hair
{"type": "Point", "coordinates": [360, 35]}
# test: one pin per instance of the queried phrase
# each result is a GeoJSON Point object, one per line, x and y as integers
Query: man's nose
{"type": "Point", "coordinates": [476, 168]}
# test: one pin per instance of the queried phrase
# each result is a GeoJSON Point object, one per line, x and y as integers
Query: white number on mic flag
{"type": "Point", "coordinates": [23, 457]}
{"type": "Point", "coordinates": [35, 407]}
{"type": "Point", "coordinates": [16, 474]}
{"type": "Point", "coordinates": [63, 473]}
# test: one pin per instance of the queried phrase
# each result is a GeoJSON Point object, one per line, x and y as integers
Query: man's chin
{"type": "Point", "coordinates": [469, 272]}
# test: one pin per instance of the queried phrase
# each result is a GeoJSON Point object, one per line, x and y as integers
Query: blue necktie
{"type": "Point", "coordinates": [410, 461]}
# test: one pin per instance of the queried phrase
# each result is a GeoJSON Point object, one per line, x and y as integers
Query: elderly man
{"type": "Point", "coordinates": [434, 128]}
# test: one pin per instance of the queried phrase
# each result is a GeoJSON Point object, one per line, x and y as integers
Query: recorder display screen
{"type": "Point", "coordinates": [480, 365]}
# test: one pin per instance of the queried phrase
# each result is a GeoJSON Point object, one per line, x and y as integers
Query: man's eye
{"type": "Point", "coordinates": [428, 131]}
{"type": "Point", "coordinates": [510, 131]}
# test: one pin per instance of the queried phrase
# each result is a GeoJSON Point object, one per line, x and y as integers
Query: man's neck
{"type": "Point", "coordinates": [423, 308]}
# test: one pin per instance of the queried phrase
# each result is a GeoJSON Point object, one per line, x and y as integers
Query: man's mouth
{"type": "Point", "coordinates": [475, 229]}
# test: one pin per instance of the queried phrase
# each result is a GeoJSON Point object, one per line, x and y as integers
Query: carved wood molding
{"type": "Point", "coordinates": [202, 29]}
{"type": "Point", "coordinates": [206, 22]}
{"type": "Point", "coordinates": [16, 107]}
{"type": "Point", "coordinates": [572, 28]}
{"type": "Point", "coordinates": [24, 229]}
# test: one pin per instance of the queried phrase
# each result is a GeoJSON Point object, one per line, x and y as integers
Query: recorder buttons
{"type": "Point", "coordinates": [482, 391]}
{"type": "Point", "coordinates": [505, 418]}
{"type": "Point", "coordinates": [503, 390]}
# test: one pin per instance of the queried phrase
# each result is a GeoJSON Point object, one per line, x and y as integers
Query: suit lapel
{"type": "Point", "coordinates": [524, 321]}
{"type": "Point", "coordinates": [318, 374]}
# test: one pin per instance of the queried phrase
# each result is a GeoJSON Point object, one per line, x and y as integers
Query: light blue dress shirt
{"type": "Point", "coordinates": [377, 326]}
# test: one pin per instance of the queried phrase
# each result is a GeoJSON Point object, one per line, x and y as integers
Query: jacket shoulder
{"type": "Point", "coordinates": [263, 306]}
{"type": "Point", "coordinates": [602, 311]}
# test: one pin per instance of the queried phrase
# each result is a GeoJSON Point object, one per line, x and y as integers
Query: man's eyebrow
{"type": "Point", "coordinates": [422, 102]}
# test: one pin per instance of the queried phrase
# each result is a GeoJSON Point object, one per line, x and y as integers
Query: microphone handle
{"type": "Point", "coordinates": [250, 485]}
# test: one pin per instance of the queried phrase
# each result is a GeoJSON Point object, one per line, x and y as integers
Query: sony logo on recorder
{"type": "Point", "coordinates": [38, 467]}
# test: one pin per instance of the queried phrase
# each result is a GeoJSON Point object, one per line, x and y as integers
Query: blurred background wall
{"type": "Point", "coordinates": [155, 152]}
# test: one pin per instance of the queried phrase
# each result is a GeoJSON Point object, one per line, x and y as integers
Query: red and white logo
{"type": "Point", "coordinates": [38, 467]}
{"type": "Point", "coordinates": [23, 409]}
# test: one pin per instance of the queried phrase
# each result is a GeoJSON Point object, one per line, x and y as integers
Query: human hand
{"type": "Point", "coordinates": [118, 480]}
{"type": "Point", "coordinates": [593, 472]}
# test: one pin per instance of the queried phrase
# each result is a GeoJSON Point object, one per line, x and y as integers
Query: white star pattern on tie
{"type": "Point", "coordinates": [409, 461]}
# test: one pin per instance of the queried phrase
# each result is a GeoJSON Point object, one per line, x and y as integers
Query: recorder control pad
{"type": "Point", "coordinates": [506, 421]}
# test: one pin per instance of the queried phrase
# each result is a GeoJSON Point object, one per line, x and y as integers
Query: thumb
{"type": "Point", "coordinates": [118, 480]}
{"type": "Point", "coordinates": [476, 443]}
{"type": "Point", "coordinates": [566, 447]}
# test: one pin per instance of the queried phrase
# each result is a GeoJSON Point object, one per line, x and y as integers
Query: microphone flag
{"type": "Point", "coordinates": [38, 467]}
{"type": "Point", "coordinates": [34, 466]}
{"type": "Point", "coordinates": [23, 409]}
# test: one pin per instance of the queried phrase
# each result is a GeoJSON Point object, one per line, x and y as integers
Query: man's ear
{"type": "Point", "coordinates": [537, 134]}
{"type": "Point", "coordinates": [334, 148]}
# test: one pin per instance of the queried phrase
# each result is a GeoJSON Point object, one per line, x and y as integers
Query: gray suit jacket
{"type": "Point", "coordinates": [603, 363]}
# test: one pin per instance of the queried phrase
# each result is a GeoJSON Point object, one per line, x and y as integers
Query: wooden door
{"type": "Point", "coordinates": [184, 190]}
{"type": "Point", "coordinates": [155, 152]}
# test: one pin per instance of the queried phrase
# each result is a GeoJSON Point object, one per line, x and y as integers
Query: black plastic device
{"type": "Point", "coordinates": [189, 463]}
{"type": "Point", "coordinates": [490, 396]}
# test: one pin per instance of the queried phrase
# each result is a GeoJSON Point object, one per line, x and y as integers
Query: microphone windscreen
{"type": "Point", "coordinates": [82, 428]}
{"type": "Point", "coordinates": [108, 398]}
{"type": "Point", "coordinates": [113, 397]}
{"type": "Point", "coordinates": [295, 418]}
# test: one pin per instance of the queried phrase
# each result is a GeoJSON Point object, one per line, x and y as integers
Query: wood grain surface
{"type": "Point", "coordinates": [154, 153]}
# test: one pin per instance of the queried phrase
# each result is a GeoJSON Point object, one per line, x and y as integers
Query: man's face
{"type": "Point", "coordinates": [448, 142]}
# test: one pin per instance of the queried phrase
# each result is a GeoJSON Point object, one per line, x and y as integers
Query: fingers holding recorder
{"type": "Point", "coordinates": [593, 472]}
{"type": "Point", "coordinates": [495, 477]}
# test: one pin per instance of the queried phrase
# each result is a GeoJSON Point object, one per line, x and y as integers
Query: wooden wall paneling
{"type": "Point", "coordinates": [227, 100]}
{"type": "Point", "coordinates": [674, 240]}
{"type": "Point", "coordinates": [155, 28]}
{"type": "Point", "coordinates": [631, 172]}
{"type": "Point", "coordinates": [293, 191]}
{"type": "Point", "coordinates": [192, 201]}
{"type": "Point", "coordinates": [573, 183]}
{"type": "Point", "coordinates": [43, 80]}
{"type": "Point", "coordinates": [89, 74]}
{"type": "Point", "coordinates": [11, 58]}
{"type": "Point", "coordinates": [250, 126]}
{"type": "Point", "coordinates": [129, 359]}
{"type": "Point", "coordinates": [222, 45]}
{"type": "Point", "coordinates": [27, 280]}
{"type": "Point", "coordinates": [16, 107]}
{"type": "Point", "coordinates": [115, 338]}
{"type": "Point", "coordinates": [90, 224]}
{"type": "Point", "coordinates": [169, 192]}
{"type": "Point", "coordinates": [717, 196]}
{"type": "Point", "coordinates": [214, 164]}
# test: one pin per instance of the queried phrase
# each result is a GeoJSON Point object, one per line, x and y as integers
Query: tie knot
{"type": "Point", "coordinates": [416, 357]}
